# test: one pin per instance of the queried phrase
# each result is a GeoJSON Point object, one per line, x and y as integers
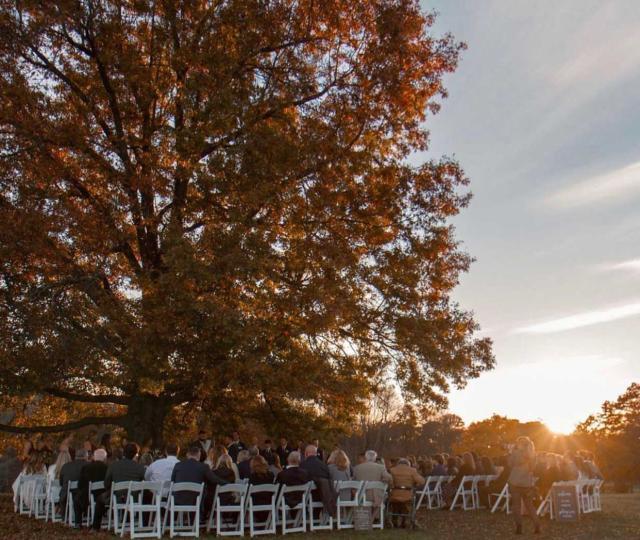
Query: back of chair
{"type": "Point", "coordinates": [182, 487]}
{"type": "Point", "coordinates": [238, 489]}
{"type": "Point", "coordinates": [120, 490]}
{"type": "Point", "coordinates": [263, 488]}
{"type": "Point", "coordinates": [352, 487]}
{"type": "Point", "coordinates": [96, 486]}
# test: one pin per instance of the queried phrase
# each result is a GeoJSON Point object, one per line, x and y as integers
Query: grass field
{"type": "Point", "coordinates": [620, 519]}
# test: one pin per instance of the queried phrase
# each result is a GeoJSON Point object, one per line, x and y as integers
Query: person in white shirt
{"type": "Point", "coordinates": [161, 469]}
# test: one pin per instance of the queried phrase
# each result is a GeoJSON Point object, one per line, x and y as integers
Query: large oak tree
{"type": "Point", "coordinates": [209, 202]}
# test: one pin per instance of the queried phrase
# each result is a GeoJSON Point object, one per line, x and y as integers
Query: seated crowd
{"type": "Point", "coordinates": [233, 461]}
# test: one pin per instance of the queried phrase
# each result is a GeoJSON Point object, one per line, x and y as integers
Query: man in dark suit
{"type": "Point", "coordinates": [70, 472]}
{"type": "Point", "coordinates": [293, 475]}
{"type": "Point", "coordinates": [317, 470]}
{"type": "Point", "coordinates": [268, 453]}
{"type": "Point", "coordinates": [236, 446]}
{"type": "Point", "coordinates": [320, 452]}
{"type": "Point", "coordinates": [123, 470]}
{"type": "Point", "coordinates": [244, 462]}
{"type": "Point", "coordinates": [192, 470]}
{"type": "Point", "coordinates": [94, 471]}
{"type": "Point", "coordinates": [315, 467]}
{"type": "Point", "coordinates": [283, 451]}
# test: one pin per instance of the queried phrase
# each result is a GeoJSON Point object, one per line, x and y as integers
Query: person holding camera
{"type": "Point", "coordinates": [522, 461]}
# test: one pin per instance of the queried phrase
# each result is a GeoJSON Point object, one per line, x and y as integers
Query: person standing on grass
{"type": "Point", "coordinates": [522, 461]}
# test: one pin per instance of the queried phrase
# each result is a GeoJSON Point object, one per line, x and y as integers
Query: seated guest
{"type": "Point", "coordinates": [425, 466]}
{"type": "Point", "coordinates": [453, 464]}
{"type": "Point", "coordinates": [467, 468]}
{"type": "Point", "coordinates": [260, 474]}
{"type": "Point", "coordinates": [194, 470]}
{"type": "Point", "coordinates": [94, 471]}
{"type": "Point", "coordinates": [275, 467]}
{"type": "Point", "coordinates": [404, 480]}
{"type": "Point", "coordinates": [244, 462]}
{"type": "Point", "coordinates": [318, 472]}
{"type": "Point", "coordinates": [370, 470]}
{"type": "Point", "coordinates": [123, 470]}
{"type": "Point", "coordinates": [293, 475]}
{"type": "Point", "coordinates": [162, 469]}
{"type": "Point", "coordinates": [569, 469]}
{"type": "Point", "coordinates": [438, 466]}
{"type": "Point", "coordinates": [314, 466]}
{"type": "Point", "coordinates": [340, 469]}
{"type": "Point", "coordinates": [487, 466]}
{"type": "Point", "coordinates": [224, 468]}
{"type": "Point", "coordinates": [70, 472]}
{"type": "Point", "coordinates": [64, 457]}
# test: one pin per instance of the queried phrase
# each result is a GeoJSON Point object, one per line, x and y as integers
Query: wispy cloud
{"type": "Point", "coordinates": [610, 187]}
{"type": "Point", "coordinates": [632, 265]}
{"type": "Point", "coordinates": [581, 320]}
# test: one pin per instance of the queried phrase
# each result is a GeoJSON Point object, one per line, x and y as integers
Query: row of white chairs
{"type": "Point", "coordinates": [467, 495]}
{"type": "Point", "coordinates": [129, 511]}
{"type": "Point", "coordinates": [588, 493]}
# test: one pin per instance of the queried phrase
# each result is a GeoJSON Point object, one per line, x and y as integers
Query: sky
{"type": "Point", "coordinates": [543, 114]}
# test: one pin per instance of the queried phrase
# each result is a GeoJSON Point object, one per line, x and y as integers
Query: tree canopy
{"type": "Point", "coordinates": [209, 204]}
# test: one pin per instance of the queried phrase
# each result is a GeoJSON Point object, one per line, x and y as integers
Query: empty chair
{"type": "Point", "coordinates": [228, 510]}
{"type": "Point", "coordinates": [350, 495]}
{"type": "Point", "coordinates": [465, 495]}
{"type": "Point", "coordinates": [183, 510]}
{"type": "Point", "coordinates": [292, 508]}
{"type": "Point", "coordinates": [261, 508]}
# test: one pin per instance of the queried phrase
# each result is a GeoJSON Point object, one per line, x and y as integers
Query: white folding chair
{"type": "Point", "coordinates": [93, 488]}
{"type": "Point", "coordinates": [39, 497]}
{"type": "Point", "coordinates": [118, 498]}
{"type": "Point", "coordinates": [597, 501]}
{"type": "Point", "coordinates": [53, 498]}
{"type": "Point", "coordinates": [319, 519]}
{"type": "Point", "coordinates": [137, 508]}
{"type": "Point", "coordinates": [268, 524]}
{"type": "Point", "coordinates": [69, 511]}
{"type": "Point", "coordinates": [353, 489]}
{"type": "Point", "coordinates": [465, 494]}
{"type": "Point", "coordinates": [503, 500]}
{"type": "Point", "coordinates": [184, 519]}
{"type": "Point", "coordinates": [373, 495]}
{"type": "Point", "coordinates": [25, 489]}
{"type": "Point", "coordinates": [223, 509]}
{"type": "Point", "coordinates": [293, 518]}
{"type": "Point", "coordinates": [432, 490]}
{"type": "Point", "coordinates": [546, 506]}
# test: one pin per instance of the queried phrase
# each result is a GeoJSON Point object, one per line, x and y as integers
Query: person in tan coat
{"type": "Point", "coordinates": [403, 479]}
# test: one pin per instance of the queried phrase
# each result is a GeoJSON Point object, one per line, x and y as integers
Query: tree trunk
{"type": "Point", "coordinates": [145, 420]}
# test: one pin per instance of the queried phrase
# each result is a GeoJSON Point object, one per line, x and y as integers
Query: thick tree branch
{"type": "Point", "coordinates": [87, 421]}
{"type": "Point", "coordinates": [84, 398]}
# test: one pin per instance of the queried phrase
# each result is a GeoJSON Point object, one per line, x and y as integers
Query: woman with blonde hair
{"type": "Point", "coordinates": [54, 470]}
{"type": "Point", "coordinates": [340, 469]}
{"type": "Point", "coordinates": [521, 482]}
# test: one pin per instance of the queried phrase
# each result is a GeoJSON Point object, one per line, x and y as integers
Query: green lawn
{"type": "Point", "coordinates": [620, 519]}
